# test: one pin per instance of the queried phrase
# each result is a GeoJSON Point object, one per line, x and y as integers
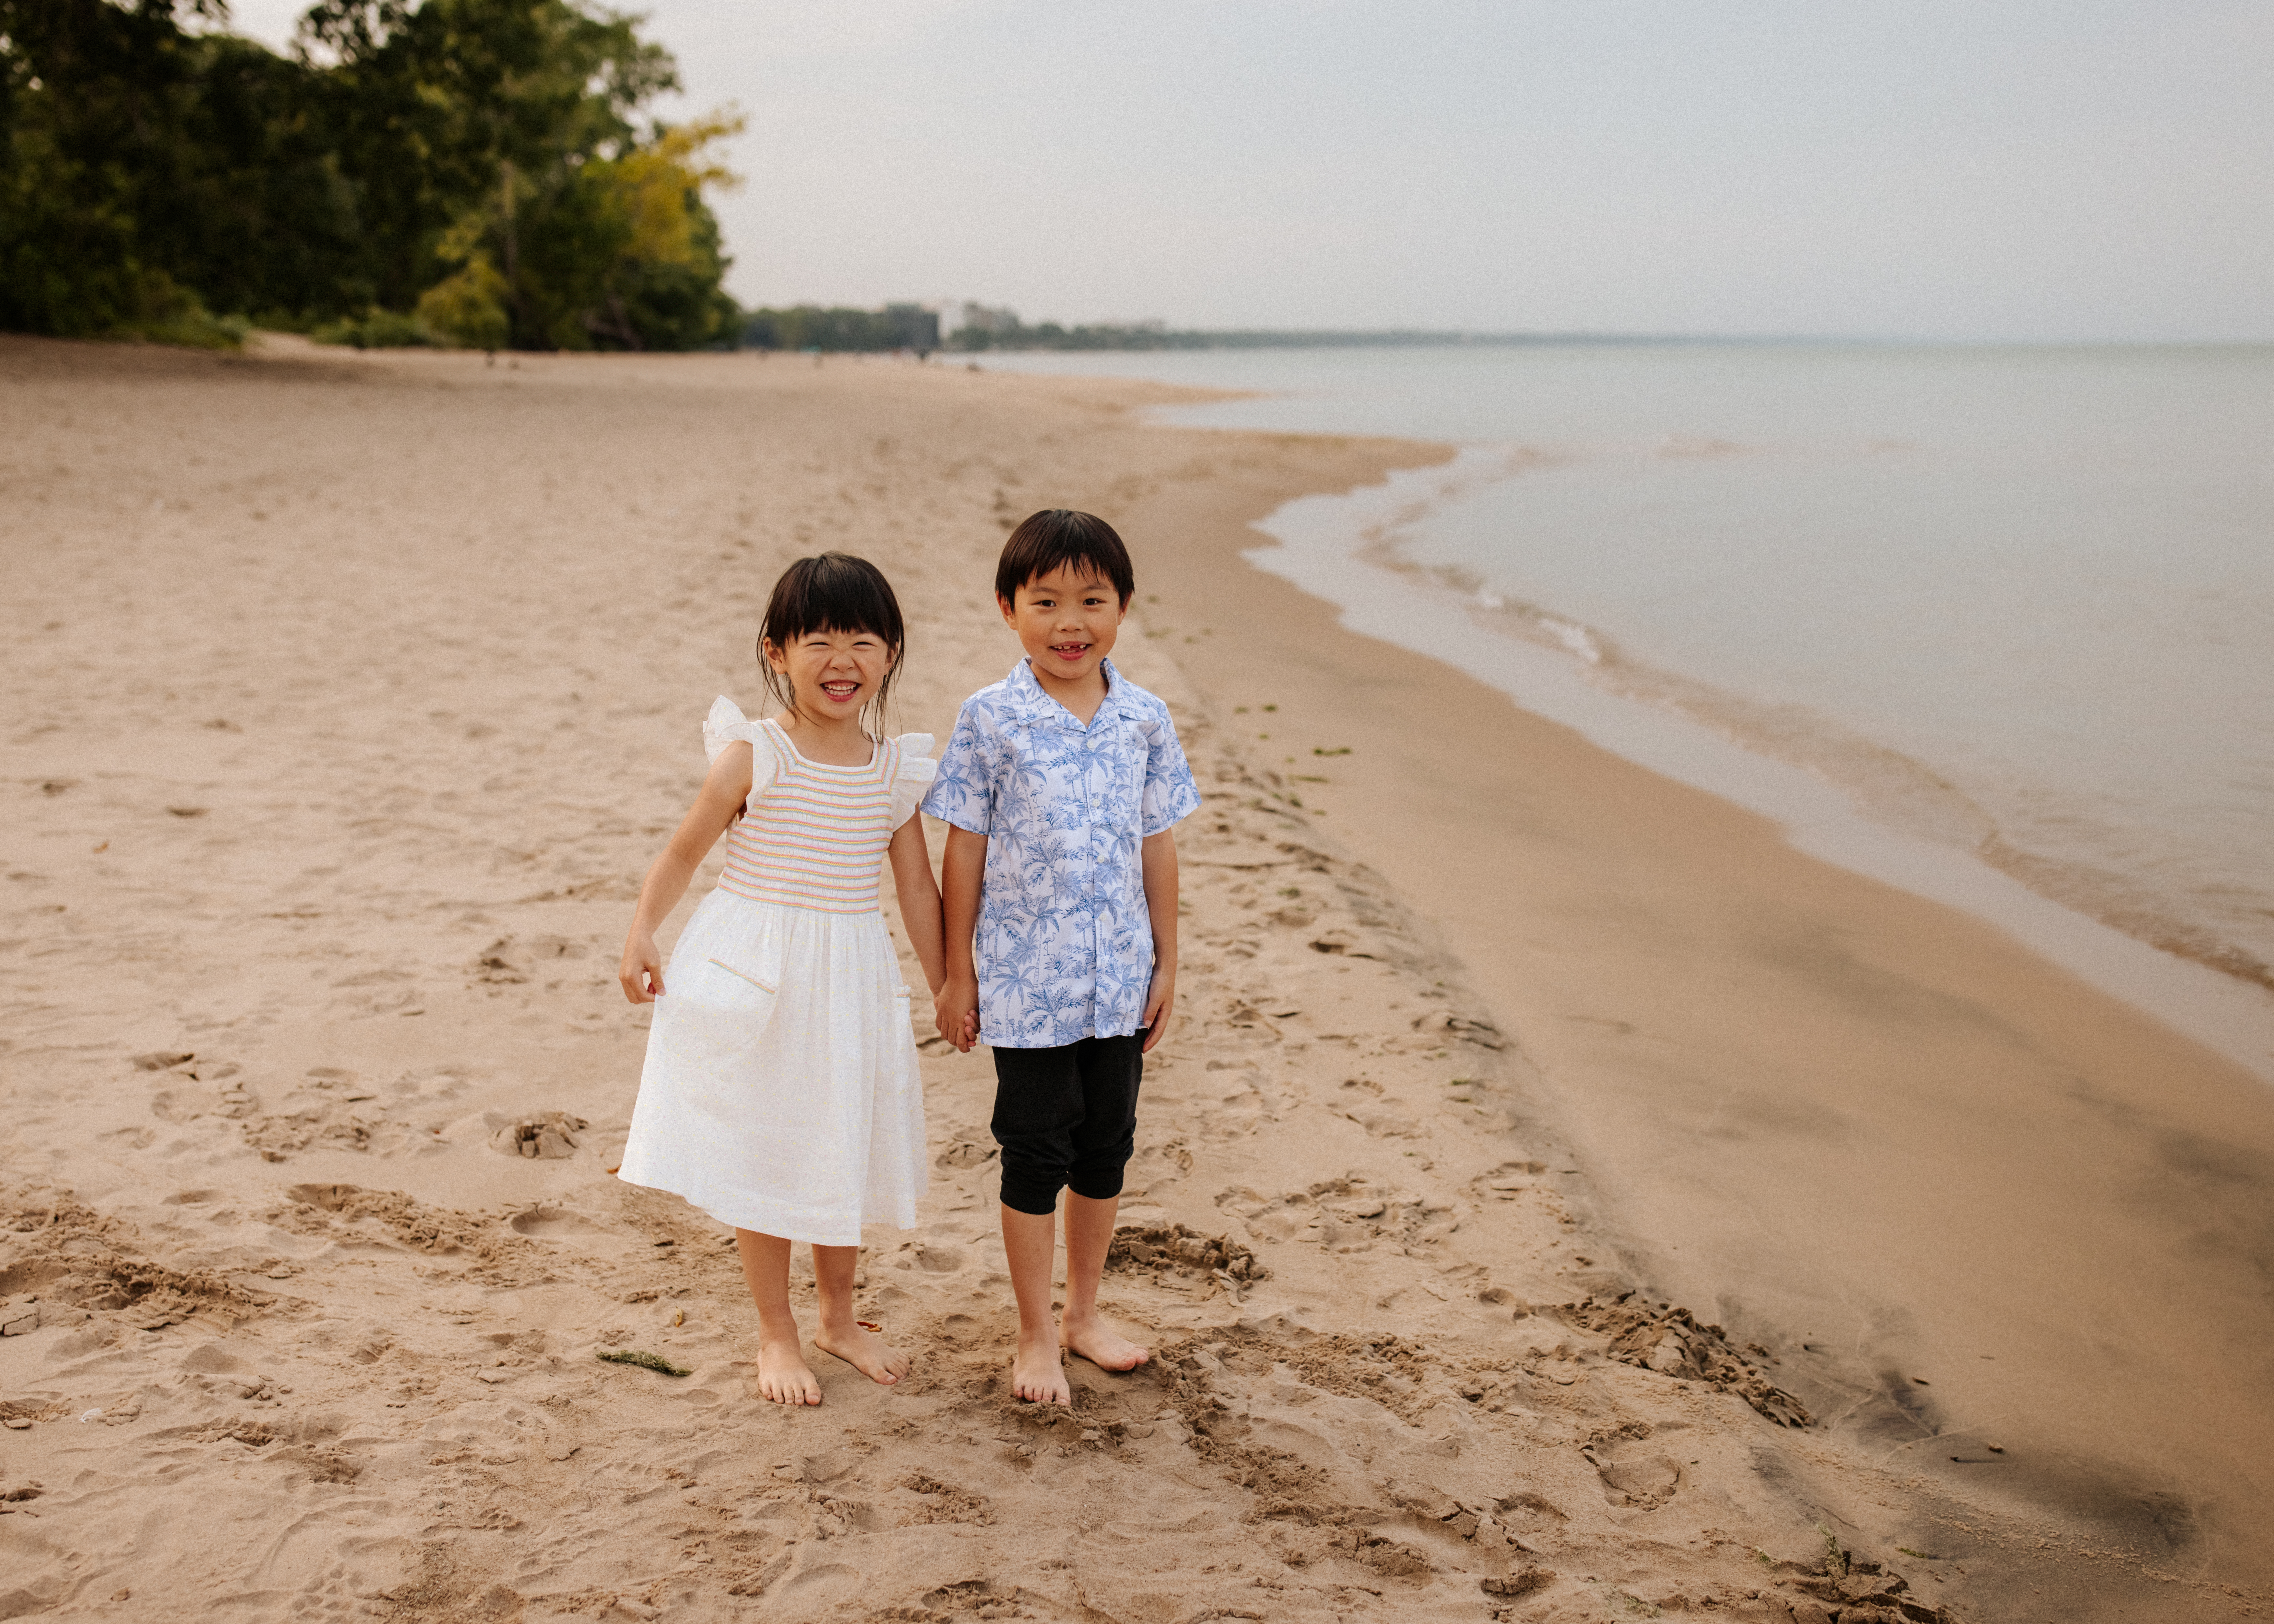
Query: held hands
{"type": "Point", "coordinates": [956, 1010]}
{"type": "Point", "coordinates": [641, 974]}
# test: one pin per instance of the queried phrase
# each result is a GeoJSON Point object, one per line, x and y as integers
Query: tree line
{"type": "Point", "coordinates": [1001, 329]}
{"type": "Point", "coordinates": [810, 326]}
{"type": "Point", "coordinates": [473, 172]}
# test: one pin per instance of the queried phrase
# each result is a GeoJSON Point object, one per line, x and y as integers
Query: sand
{"type": "Point", "coordinates": [349, 696]}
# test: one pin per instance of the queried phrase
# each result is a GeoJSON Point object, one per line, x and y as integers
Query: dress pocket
{"type": "Point", "coordinates": [764, 987]}
{"type": "Point", "coordinates": [713, 1012]}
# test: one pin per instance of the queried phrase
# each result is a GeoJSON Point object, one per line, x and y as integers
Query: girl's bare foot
{"type": "Point", "coordinates": [1097, 1341]}
{"type": "Point", "coordinates": [783, 1376]}
{"type": "Point", "coordinates": [870, 1354]}
{"type": "Point", "coordinates": [1038, 1373]}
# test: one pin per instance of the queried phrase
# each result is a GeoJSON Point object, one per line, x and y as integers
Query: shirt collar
{"type": "Point", "coordinates": [1036, 706]}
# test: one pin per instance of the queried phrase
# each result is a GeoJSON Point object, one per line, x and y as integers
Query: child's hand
{"type": "Point", "coordinates": [1160, 1005]}
{"type": "Point", "coordinates": [956, 1012]}
{"type": "Point", "coordinates": [641, 974]}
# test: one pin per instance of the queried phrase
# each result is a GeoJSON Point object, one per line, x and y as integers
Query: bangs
{"type": "Point", "coordinates": [833, 592]}
{"type": "Point", "coordinates": [1056, 537]}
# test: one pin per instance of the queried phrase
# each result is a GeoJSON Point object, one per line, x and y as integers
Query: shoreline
{"type": "Point", "coordinates": [1382, 597]}
{"type": "Point", "coordinates": [351, 774]}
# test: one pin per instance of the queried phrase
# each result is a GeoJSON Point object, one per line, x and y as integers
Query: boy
{"type": "Point", "coordinates": [1061, 785]}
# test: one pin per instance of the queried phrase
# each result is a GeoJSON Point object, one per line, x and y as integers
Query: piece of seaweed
{"type": "Point", "coordinates": [646, 1361]}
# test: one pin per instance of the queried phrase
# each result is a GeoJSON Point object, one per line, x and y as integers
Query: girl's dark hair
{"type": "Point", "coordinates": [833, 592]}
{"type": "Point", "coordinates": [1056, 536]}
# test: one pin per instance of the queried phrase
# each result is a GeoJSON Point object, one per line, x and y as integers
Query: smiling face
{"type": "Point", "coordinates": [832, 674]}
{"type": "Point", "coordinates": [1066, 621]}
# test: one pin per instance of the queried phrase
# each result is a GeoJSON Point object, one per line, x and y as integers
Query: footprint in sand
{"type": "Point", "coordinates": [962, 1329]}
{"type": "Point", "coordinates": [1526, 1513]}
{"type": "Point", "coordinates": [553, 1223]}
{"type": "Point", "coordinates": [1508, 1182]}
{"type": "Point", "coordinates": [505, 963]}
{"type": "Point", "coordinates": [328, 1108]}
{"type": "Point", "coordinates": [1269, 1218]}
{"type": "Point", "coordinates": [1634, 1474]}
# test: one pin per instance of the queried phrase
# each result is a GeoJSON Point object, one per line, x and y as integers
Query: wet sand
{"type": "Point", "coordinates": [349, 696]}
{"type": "Point", "coordinates": [1989, 1203]}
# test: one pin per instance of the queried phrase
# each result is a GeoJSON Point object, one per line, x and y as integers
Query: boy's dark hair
{"type": "Point", "coordinates": [833, 592]}
{"type": "Point", "coordinates": [1055, 537]}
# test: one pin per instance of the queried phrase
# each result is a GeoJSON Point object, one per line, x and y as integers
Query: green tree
{"type": "Point", "coordinates": [137, 161]}
{"type": "Point", "coordinates": [616, 252]}
{"type": "Point", "coordinates": [475, 161]}
{"type": "Point", "coordinates": [502, 134]}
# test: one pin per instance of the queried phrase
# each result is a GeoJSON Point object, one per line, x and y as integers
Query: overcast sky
{"type": "Point", "coordinates": [1969, 169]}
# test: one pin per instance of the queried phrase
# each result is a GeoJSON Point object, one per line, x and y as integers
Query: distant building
{"type": "Point", "coordinates": [956, 315]}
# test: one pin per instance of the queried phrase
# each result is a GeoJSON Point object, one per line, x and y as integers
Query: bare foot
{"type": "Point", "coordinates": [783, 1376]}
{"type": "Point", "coordinates": [1097, 1341]}
{"type": "Point", "coordinates": [873, 1357]}
{"type": "Point", "coordinates": [1038, 1374]}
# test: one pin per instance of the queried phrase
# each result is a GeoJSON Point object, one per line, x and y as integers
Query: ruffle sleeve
{"type": "Point", "coordinates": [918, 768]}
{"type": "Point", "coordinates": [727, 725]}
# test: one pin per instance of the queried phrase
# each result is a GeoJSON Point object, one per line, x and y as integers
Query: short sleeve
{"type": "Point", "coordinates": [917, 770]}
{"type": "Point", "coordinates": [1171, 795]}
{"type": "Point", "coordinates": [963, 786]}
{"type": "Point", "coordinates": [727, 725]}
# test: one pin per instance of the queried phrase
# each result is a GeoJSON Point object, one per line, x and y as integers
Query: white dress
{"type": "Point", "coordinates": [781, 1093]}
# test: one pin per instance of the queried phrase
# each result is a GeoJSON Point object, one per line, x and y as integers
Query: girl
{"type": "Point", "coordinates": [781, 1094]}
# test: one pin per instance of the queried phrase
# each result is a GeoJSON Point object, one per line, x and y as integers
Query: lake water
{"type": "Point", "coordinates": [2015, 603]}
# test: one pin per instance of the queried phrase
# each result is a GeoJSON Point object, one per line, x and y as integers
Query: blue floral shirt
{"type": "Point", "coordinates": [1065, 947]}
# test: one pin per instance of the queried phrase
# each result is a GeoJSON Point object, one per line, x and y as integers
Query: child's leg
{"type": "Point", "coordinates": [1089, 1236]}
{"type": "Point", "coordinates": [840, 1333]}
{"type": "Point", "coordinates": [1111, 1069]}
{"type": "Point", "coordinates": [783, 1374]}
{"type": "Point", "coordinates": [1037, 1109]}
{"type": "Point", "coordinates": [1029, 1240]}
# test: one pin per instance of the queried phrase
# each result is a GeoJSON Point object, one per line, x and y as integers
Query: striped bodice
{"type": "Point", "coordinates": [815, 837]}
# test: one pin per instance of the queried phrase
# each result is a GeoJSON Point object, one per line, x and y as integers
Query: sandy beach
{"type": "Point", "coordinates": [1559, 1201]}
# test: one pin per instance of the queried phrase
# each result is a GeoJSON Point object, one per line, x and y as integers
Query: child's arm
{"type": "Point", "coordinates": [918, 895]}
{"type": "Point", "coordinates": [1158, 855]}
{"type": "Point", "coordinates": [721, 802]}
{"type": "Point", "coordinates": [956, 1008]}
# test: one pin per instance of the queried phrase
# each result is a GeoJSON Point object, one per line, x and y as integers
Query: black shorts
{"type": "Point", "coordinates": [1066, 1118]}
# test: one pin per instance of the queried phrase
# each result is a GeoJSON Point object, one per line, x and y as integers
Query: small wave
{"type": "Point", "coordinates": [1575, 637]}
{"type": "Point", "coordinates": [1888, 785]}
{"type": "Point", "coordinates": [2123, 904]}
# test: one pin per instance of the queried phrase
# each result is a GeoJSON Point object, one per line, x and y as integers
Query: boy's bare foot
{"type": "Point", "coordinates": [783, 1376]}
{"type": "Point", "coordinates": [1097, 1341]}
{"type": "Point", "coordinates": [1038, 1373]}
{"type": "Point", "coordinates": [871, 1355]}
